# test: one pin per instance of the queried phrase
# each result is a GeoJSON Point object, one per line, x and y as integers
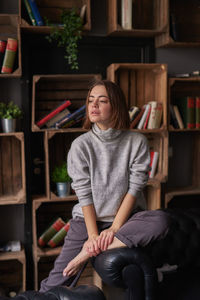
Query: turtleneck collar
{"type": "Point", "coordinates": [106, 135]}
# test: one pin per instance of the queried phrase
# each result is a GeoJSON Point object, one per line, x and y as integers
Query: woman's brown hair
{"type": "Point", "coordinates": [120, 116]}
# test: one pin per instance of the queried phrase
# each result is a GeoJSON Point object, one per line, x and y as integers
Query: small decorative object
{"type": "Point", "coordinates": [62, 180]}
{"type": "Point", "coordinates": [9, 113]}
{"type": "Point", "coordinates": [68, 34]}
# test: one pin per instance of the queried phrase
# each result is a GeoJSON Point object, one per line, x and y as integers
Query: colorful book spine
{"type": "Point", "coordinates": [190, 112]}
{"type": "Point", "coordinates": [72, 116]}
{"type": "Point", "coordinates": [50, 232]}
{"type": "Point", "coordinates": [9, 57]}
{"type": "Point", "coordinates": [153, 163]}
{"type": "Point", "coordinates": [144, 116]}
{"type": "Point", "coordinates": [36, 12]}
{"type": "Point", "coordinates": [30, 13]}
{"type": "Point", "coordinates": [137, 118]}
{"type": "Point", "coordinates": [2, 51]}
{"type": "Point", "coordinates": [197, 112]}
{"type": "Point", "coordinates": [59, 236]}
{"type": "Point", "coordinates": [156, 115]}
{"type": "Point", "coordinates": [74, 121]}
{"type": "Point", "coordinates": [58, 109]}
{"type": "Point", "coordinates": [51, 123]}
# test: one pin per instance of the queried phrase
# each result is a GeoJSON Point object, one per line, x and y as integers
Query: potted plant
{"type": "Point", "coordinates": [62, 180]}
{"type": "Point", "coordinates": [68, 34]}
{"type": "Point", "coordinates": [9, 113]}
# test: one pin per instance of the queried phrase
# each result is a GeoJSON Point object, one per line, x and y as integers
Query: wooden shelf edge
{"type": "Point", "coordinates": [19, 255]}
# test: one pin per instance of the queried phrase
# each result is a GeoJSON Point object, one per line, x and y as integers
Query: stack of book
{"type": "Point", "coordinates": [147, 117]}
{"type": "Point", "coordinates": [61, 117]}
{"type": "Point", "coordinates": [33, 12]}
{"type": "Point", "coordinates": [185, 113]}
{"type": "Point", "coordinates": [54, 235]}
{"type": "Point", "coordinates": [8, 50]}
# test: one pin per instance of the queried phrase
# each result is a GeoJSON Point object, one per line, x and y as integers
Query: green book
{"type": "Point", "coordinates": [59, 236]}
{"type": "Point", "coordinates": [186, 106]}
{"type": "Point", "coordinates": [50, 232]}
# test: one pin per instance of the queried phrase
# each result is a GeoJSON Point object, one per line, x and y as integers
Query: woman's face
{"type": "Point", "coordinates": [99, 107]}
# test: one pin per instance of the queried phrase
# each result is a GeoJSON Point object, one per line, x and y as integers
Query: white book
{"type": "Point", "coordinates": [142, 120]}
{"type": "Point", "coordinates": [126, 8]}
{"type": "Point", "coordinates": [154, 163]}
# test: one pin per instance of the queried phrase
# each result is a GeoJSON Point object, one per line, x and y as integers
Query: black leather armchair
{"type": "Point", "coordinates": [136, 270]}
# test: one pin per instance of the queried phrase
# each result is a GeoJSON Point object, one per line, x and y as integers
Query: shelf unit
{"type": "Point", "coordinates": [149, 18]}
{"type": "Point", "coordinates": [14, 264]}
{"type": "Point", "coordinates": [10, 28]}
{"type": "Point", "coordinates": [43, 211]}
{"type": "Point", "coordinates": [51, 10]}
{"type": "Point", "coordinates": [188, 138]}
{"type": "Point", "coordinates": [180, 32]}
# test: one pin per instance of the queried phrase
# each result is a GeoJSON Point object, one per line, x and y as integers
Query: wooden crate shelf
{"type": "Point", "coordinates": [181, 31]}
{"type": "Point", "coordinates": [43, 212]}
{"type": "Point", "coordinates": [153, 196]}
{"type": "Point", "coordinates": [185, 192]}
{"type": "Point", "coordinates": [10, 28]}
{"type": "Point", "coordinates": [182, 87]}
{"type": "Point", "coordinates": [13, 271]}
{"type": "Point", "coordinates": [51, 10]}
{"type": "Point", "coordinates": [49, 91]}
{"type": "Point", "coordinates": [141, 83]}
{"type": "Point", "coordinates": [149, 18]}
{"type": "Point", "coordinates": [12, 168]}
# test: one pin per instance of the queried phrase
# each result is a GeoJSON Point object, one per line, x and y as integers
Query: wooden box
{"type": "Point", "coordinates": [49, 91]}
{"type": "Point", "coordinates": [43, 212]}
{"type": "Point", "coordinates": [179, 88]}
{"type": "Point", "coordinates": [57, 145]}
{"type": "Point", "coordinates": [10, 28]}
{"type": "Point", "coordinates": [13, 272]}
{"type": "Point", "coordinates": [142, 83]}
{"type": "Point", "coordinates": [149, 18]}
{"type": "Point", "coordinates": [183, 25]}
{"type": "Point", "coordinates": [12, 168]}
{"type": "Point", "coordinates": [51, 10]}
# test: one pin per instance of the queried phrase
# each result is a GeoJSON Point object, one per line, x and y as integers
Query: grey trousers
{"type": "Point", "coordinates": [141, 228]}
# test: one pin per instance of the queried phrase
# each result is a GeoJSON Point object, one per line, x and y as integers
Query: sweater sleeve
{"type": "Point", "coordinates": [78, 169]}
{"type": "Point", "coordinates": [139, 168]}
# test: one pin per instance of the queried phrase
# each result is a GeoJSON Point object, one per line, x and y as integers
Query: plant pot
{"type": "Point", "coordinates": [8, 125]}
{"type": "Point", "coordinates": [63, 189]}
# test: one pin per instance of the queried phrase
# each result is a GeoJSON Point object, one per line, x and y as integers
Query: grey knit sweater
{"type": "Point", "coordinates": [105, 165]}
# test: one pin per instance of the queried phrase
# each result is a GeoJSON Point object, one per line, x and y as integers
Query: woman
{"type": "Point", "coordinates": [109, 166]}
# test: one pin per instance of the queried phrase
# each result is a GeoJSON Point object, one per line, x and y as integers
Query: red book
{"type": "Point", "coordinates": [2, 51]}
{"type": "Point", "coordinates": [197, 112]}
{"type": "Point", "coordinates": [190, 112]}
{"type": "Point", "coordinates": [147, 118]}
{"type": "Point", "coordinates": [9, 57]}
{"type": "Point", "coordinates": [53, 113]}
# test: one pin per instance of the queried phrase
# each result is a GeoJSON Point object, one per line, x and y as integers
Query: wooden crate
{"type": "Point", "coordinates": [10, 28]}
{"type": "Point", "coordinates": [149, 18]}
{"type": "Point", "coordinates": [43, 211]}
{"type": "Point", "coordinates": [182, 87]}
{"type": "Point", "coordinates": [57, 145]}
{"type": "Point", "coordinates": [13, 271]}
{"type": "Point", "coordinates": [51, 10]}
{"type": "Point", "coordinates": [141, 83]}
{"type": "Point", "coordinates": [51, 90]}
{"type": "Point", "coordinates": [182, 25]}
{"type": "Point", "coordinates": [152, 195]}
{"type": "Point", "coordinates": [12, 168]}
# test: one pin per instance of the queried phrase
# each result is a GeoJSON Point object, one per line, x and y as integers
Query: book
{"type": "Point", "coordinates": [30, 13]}
{"type": "Point", "coordinates": [126, 14]}
{"type": "Point", "coordinates": [143, 118]}
{"type": "Point", "coordinates": [173, 120]}
{"type": "Point", "coordinates": [50, 231]}
{"type": "Point", "coordinates": [12, 246]}
{"type": "Point", "coordinates": [57, 239]}
{"type": "Point", "coordinates": [74, 121]}
{"type": "Point", "coordinates": [133, 111]}
{"type": "Point", "coordinates": [154, 155]}
{"type": "Point", "coordinates": [155, 115]}
{"type": "Point", "coordinates": [36, 12]}
{"type": "Point", "coordinates": [197, 112]}
{"type": "Point", "coordinates": [9, 57]}
{"type": "Point", "coordinates": [147, 118]}
{"type": "Point", "coordinates": [137, 118]}
{"type": "Point", "coordinates": [178, 117]}
{"type": "Point", "coordinates": [52, 122]}
{"type": "Point", "coordinates": [186, 106]}
{"type": "Point", "coordinates": [54, 112]}
{"type": "Point", "coordinates": [72, 116]}
{"type": "Point", "coordinates": [2, 51]}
